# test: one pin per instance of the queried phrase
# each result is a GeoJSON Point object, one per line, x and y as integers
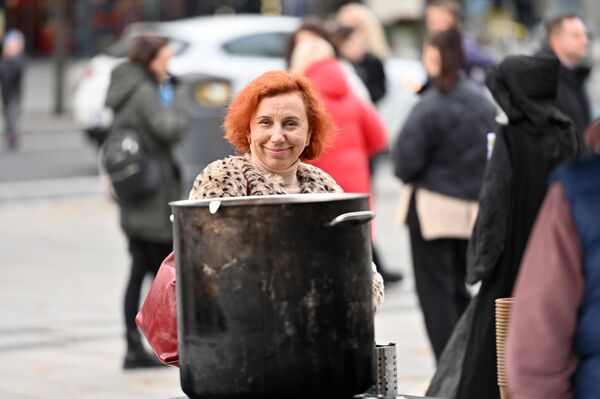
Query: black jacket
{"type": "Point", "coordinates": [371, 71]}
{"type": "Point", "coordinates": [11, 77]}
{"type": "Point", "coordinates": [537, 138]}
{"type": "Point", "coordinates": [572, 98]}
{"type": "Point", "coordinates": [442, 146]}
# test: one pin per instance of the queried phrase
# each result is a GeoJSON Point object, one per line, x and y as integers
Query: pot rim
{"type": "Point", "coordinates": [270, 199]}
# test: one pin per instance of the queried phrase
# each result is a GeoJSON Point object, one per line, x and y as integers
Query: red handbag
{"type": "Point", "coordinates": [157, 319]}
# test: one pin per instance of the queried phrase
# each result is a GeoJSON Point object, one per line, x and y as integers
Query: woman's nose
{"type": "Point", "coordinates": [278, 135]}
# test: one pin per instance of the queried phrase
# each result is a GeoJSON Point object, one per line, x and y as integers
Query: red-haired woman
{"type": "Point", "coordinates": [275, 123]}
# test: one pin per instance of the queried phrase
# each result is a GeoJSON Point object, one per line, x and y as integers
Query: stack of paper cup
{"type": "Point", "coordinates": [503, 306]}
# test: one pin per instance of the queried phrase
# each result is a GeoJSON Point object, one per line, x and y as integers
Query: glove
{"type": "Point", "coordinates": [378, 292]}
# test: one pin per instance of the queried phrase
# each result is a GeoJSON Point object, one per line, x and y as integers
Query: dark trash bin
{"type": "Point", "coordinates": [204, 143]}
{"type": "Point", "coordinates": [274, 296]}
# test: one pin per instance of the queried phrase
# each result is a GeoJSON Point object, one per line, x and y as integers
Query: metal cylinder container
{"type": "Point", "coordinates": [274, 296]}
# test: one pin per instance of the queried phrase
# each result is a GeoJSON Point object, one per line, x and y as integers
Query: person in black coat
{"type": "Point", "coordinates": [147, 99]}
{"type": "Point", "coordinates": [441, 152]}
{"type": "Point", "coordinates": [538, 138]}
{"type": "Point", "coordinates": [365, 46]}
{"type": "Point", "coordinates": [568, 41]}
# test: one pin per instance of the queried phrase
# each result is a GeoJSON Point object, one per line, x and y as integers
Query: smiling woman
{"type": "Point", "coordinates": [275, 123]}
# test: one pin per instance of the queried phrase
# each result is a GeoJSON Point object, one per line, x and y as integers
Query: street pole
{"type": "Point", "coordinates": [59, 55]}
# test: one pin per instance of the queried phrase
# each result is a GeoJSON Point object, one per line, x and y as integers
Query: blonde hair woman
{"type": "Point", "coordinates": [362, 42]}
{"type": "Point", "coordinates": [362, 18]}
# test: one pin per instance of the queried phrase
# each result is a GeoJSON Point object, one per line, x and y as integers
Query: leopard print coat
{"type": "Point", "coordinates": [235, 176]}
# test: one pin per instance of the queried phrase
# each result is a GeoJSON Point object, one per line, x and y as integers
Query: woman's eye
{"type": "Point", "coordinates": [291, 123]}
{"type": "Point", "coordinates": [265, 122]}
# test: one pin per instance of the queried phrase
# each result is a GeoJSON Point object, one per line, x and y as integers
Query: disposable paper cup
{"type": "Point", "coordinates": [504, 392]}
{"type": "Point", "coordinates": [502, 312]}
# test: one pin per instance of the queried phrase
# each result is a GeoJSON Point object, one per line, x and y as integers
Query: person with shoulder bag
{"type": "Point", "coordinates": [150, 118]}
{"type": "Point", "coordinates": [441, 154]}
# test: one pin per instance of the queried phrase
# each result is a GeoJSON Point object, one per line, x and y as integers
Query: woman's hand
{"type": "Point", "coordinates": [378, 290]}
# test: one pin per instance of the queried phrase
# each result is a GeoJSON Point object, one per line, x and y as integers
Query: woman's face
{"type": "Point", "coordinates": [354, 47]}
{"type": "Point", "coordinates": [432, 60]}
{"type": "Point", "coordinates": [279, 130]}
{"type": "Point", "coordinates": [158, 66]}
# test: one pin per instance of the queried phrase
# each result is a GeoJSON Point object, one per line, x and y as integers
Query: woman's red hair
{"type": "Point", "coordinates": [270, 84]}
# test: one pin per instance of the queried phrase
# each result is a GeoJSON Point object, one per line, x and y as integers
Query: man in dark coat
{"type": "Point", "coordinates": [538, 137]}
{"type": "Point", "coordinates": [568, 41]}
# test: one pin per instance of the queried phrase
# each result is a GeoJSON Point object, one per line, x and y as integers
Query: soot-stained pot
{"type": "Point", "coordinates": [274, 296]}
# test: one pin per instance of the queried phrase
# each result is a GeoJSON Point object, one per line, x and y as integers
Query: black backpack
{"type": "Point", "coordinates": [132, 171]}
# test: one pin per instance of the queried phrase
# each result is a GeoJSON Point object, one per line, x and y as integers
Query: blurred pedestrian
{"type": "Point", "coordinates": [365, 47]}
{"type": "Point", "coordinates": [12, 69]}
{"type": "Point", "coordinates": [276, 123]}
{"type": "Point", "coordinates": [567, 40]}
{"type": "Point", "coordinates": [147, 99]}
{"type": "Point", "coordinates": [313, 27]}
{"type": "Point", "coordinates": [351, 48]}
{"type": "Point", "coordinates": [361, 132]}
{"type": "Point", "coordinates": [441, 15]}
{"type": "Point", "coordinates": [537, 138]}
{"type": "Point", "coordinates": [441, 154]}
{"type": "Point", "coordinates": [553, 347]}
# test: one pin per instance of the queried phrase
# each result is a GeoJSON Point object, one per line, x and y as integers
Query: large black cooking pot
{"type": "Point", "coordinates": [274, 296]}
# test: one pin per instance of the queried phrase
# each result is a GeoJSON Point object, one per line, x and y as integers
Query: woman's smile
{"type": "Point", "coordinates": [278, 151]}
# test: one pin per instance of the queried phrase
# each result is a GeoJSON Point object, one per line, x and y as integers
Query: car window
{"type": "Point", "coordinates": [120, 49]}
{"type": "Point", "coordinates": [271, 45]}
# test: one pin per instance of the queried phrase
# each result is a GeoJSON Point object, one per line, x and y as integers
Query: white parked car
{"type": "Point", "coordinates": [218, 55]}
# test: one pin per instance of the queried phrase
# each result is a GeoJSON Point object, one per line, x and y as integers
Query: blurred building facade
{"type": "Point", "coordinates": [91, 25]}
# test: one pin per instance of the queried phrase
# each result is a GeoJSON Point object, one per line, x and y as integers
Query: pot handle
{"type": "Point", "coordinates": [359, 217]}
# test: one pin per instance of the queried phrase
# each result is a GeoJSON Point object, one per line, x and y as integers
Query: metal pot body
{"type": "Point", "coordinates": [274, 296]}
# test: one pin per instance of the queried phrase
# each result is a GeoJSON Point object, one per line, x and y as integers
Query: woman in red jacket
{"type": "Point", "coordinates": [361, 132]}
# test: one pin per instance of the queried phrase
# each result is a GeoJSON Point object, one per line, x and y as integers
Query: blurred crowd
{"type": "Point", "coordinates": [499, 165]}
{"type": "Point", "coordinates": [476, 155]}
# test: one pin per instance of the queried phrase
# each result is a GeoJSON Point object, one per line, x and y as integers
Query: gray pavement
{"type": "Point", "coordinates": [64, 266]}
